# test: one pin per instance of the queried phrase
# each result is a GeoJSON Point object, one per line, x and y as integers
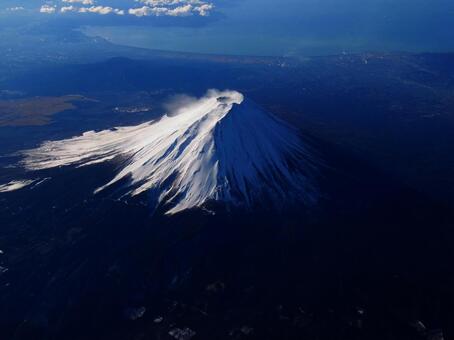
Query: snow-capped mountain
{"type": "Point", "coordinates": [221, 147]}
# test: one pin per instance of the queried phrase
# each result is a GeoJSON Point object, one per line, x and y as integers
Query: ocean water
{"type": "Point", "coordinates": [296, 27]}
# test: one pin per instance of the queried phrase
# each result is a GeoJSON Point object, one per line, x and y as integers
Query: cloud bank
{"type": "Point", "coordinates": [137, 8]}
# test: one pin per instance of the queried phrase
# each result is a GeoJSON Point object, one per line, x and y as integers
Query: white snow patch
{"type": "Point", "coordinates": [220, 147]}
{"type": "Point", "coordinates": [15, 185]}
{"type": "Point", "coordinates": [40, 181]}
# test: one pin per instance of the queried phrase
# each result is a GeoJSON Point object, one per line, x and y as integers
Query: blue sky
{"type": "Point", "coordinates": [260, 27]}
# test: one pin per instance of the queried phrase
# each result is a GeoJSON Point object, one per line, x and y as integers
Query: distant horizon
{"type": "Point", "coordinates": [91, 34]}
{"type": "Point", "coordinates": [300, 28]}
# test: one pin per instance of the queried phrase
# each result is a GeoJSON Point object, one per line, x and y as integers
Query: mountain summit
{"type": "Point", "coordinates": [221, 147]}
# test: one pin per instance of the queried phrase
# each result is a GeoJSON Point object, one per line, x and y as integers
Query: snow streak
{"type": "Point", "coordinates": [221, 147]}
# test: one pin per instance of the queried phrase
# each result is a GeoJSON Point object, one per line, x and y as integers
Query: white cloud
{"type": "Point", "coordinates": [15, 9]}
{"type": "Point", "coordinates": [65, 9]}
{"type": "Point", "coordinates": [158, 3]}
{"type": "Point", "coordinates": [82, 2]}
{"type": "Point", "coordinates": [140, 11]}
{"type": "Point", "coordinates": [161, 11]}
{"type": "Point", "coordinates": [103, 10]}
{"type": "Point", "coordinates": [204, 9]}
{"type": "Point", "coordinates": [48, 9]}
{"type": "Point", "coordinates": [174, 8]}
{"type": "Point", "coordinates": [180, 11]}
